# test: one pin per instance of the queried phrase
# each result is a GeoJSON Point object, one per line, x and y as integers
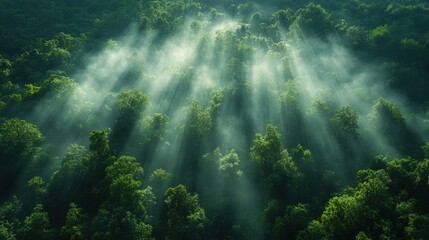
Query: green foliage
{"type": "Point", "coordinates": [362, 236]}
{"type": "Point", "coordinates": [312, 20]}
{"type": "Point", "coordinates": [99, 142]}
{"type": "Point", "coordinates": [315, 230]}
{"type": "Point", "coordinates": [285, 223]}
{"type": "Point", "coordinates": [291, 95]}
{"type": "Point", "coordinates": [357, 35]}
{"type": "Point", "coordinates": [5, 232]}
{"type": "Point", "coordinates": [123, 214]}
{"type": "Point", "coordinates": [261, 193]}
{"type": "Point", "coordinates": [154, 128]}
{"type": "Point", "coordinates": [267, 149]}
{"type": "Point", "coordinates": [125, 187]}
{"type": "Point", "coordinates": [56, 89]}
{"type": "Point", "coordinates": [159, 180]}
{"type": "Point", "coordinates": [37, 225]}
{"type": "Point", "coordinates": [418, 226]}
{"type": "Point", "coordinates": [371, 208]}
{"type": "Point", "coordinates": [130, 105]}
{"type": "Point", "coordinates": [19, 146]}
{"type": "Point", "coordinates": [322, 103]}
{"type": "Point", "coordinates": [10, 93]}
{"type": "Point", "coordinates": [31, 90]}
{"type": "Point", "coordinates": [284, 17]}
{"type": "Point", "coordinates": [379, 34]}
{"type": "Point", "coordinates": [159, 175]}
{"type": "Point", "coordinates": [74, 224]}
{"type": "Point", "coordinates": [386, 116]}
{"type": "Point", "coordinates": [5, 67]}
{"type": "Point", "coordinates": [124, 165]}
{"type": "Point", "coordinates": [186, 219]}
{"type": "Point", "coordinates": [75, 165]}
{"type": "Point", "coordinates": [216, 101]}
{"type": "Point", "coordinates": [273, 164]}
{"type": "Point", "coordinates": [19, 138]}
{"type": "Point", "coordinates": [230, 163]}
{"type": "Point", "coordinates": [346, 119]}
{"type": "Point", "coordinates": [296, 218]}
{"type": "Point", "coordinates": [200, 118]}
{"type": "Point", "coordinates": [46, 54]}
{"type": "Point", "coordinates": [10, 212]}
{"type": "Point", "coordinates": [38, 188]}
{"type": "Point", "coordinates": [119, 224]}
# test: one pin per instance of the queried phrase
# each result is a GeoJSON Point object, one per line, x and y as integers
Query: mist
{"type": "Point", "coordinates": [296, 84]}
{"type": "Point", "coordinates": [183, 71]}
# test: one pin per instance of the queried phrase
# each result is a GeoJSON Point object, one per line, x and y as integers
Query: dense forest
{"type": "Point", "coordinates": [230, 119]}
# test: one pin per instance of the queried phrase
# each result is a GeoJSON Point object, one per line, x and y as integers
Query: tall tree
{"type": "Point", "coordinates": [186, 219]}
{"type": "Point", "coordinates": [19, 142]}
{"type": "Point", "coordinates": [37, 225]}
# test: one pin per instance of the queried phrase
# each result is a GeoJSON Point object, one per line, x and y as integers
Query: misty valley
{"type": "Point", "coordinates": [159, 119]}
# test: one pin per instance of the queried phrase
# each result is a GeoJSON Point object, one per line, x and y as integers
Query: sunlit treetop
{"type": "Point", "coordinates": [131, 103]}
{"type": "Point", "coordinates": [19, 137]}
{"type": "Point", "coordinates": [384, 114]}
{"type": "Point", "coordinates": [312, 20]}
{"type": "Point", "coordinates": [346, 119]}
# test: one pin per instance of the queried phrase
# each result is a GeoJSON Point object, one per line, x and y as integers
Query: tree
{"type": "Point", "coordinates": [314, 230]}
{"type": "Point", "coordinates": [130, 104]}
{"type": "Point", "coordinates": [200, 120]}
{"type": "Point", "coordinates": [74, 226]}
{"type": "Point", "coordinates": [154, 128]}
{"type": "Point", "coordinates": [5, 67]}
{"type": "Point", "coordinates": [159, 180]}
{"type": "Point", "coordinates": [229, 164]}
{"type": "Point", "coordinates": [273, 165]}
{"type": "Point", "coordinates": [267, 149]}
{"type": "Point", "coordinates": [38, 190]}
{"type": "Point", "coordinates": [37, 225]}
{"type": "Point", "coordinates": [19, 141]}
{"type": "Point", "coordinates": [124, 212]}
{"type": "Point", "coordinates": [5, 232]}
{"type": "Point", "coordinates": [57, 89]}
{"type": "Point", "coordinates": [70, 182]}
{"type": "Point", "coordinates": [341, 217]}
{"type": "Point", "coordinates": [388, 119]}
{"type": "Point", "coordinates": [186, 219]}
{"type": "Point", "coordinates": [296, 218]}
{"type": "Point", "coordinates": [346, 120]}
{"type": "Point", "coordinates": [386, 116]}
{"type": "Point", "coordinates": [291, 96]}
{"type": "Point", "coordinates": [216, 102]}
{"type": "Point", "coordinates": [99, 143]}
{"type": "Point", "coordinates": [9, 218]}
{"type": "Point", "coordinates": [119, 224]}
{"type": "Point", "coordinates": [291, 100]}
{"type": "Point", "coordinates": [19, 138]}
{"type": "Point", "coordinates": [418, 226]}
{"type": "Point", "coordinates": [284, 17]}
{"type": "Point", "coordinates": [379, 35]}
{"type": "Point", "coordinates": [125, 189]}
{"type": "Point", "coordinates": [312, 20]}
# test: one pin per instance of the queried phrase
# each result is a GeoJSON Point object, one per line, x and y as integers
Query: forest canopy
{"type": "Point", "coordinates": [160, 119]}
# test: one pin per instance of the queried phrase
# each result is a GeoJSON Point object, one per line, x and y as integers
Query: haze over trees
{"type": "Point", "coordinates": [159, 119]}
